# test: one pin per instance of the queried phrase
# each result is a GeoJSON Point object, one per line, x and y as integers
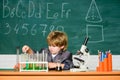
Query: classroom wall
{"type": "Point", "coordinates": [30, 21]}
{"type": "Point", "coordinates": [8, 61]}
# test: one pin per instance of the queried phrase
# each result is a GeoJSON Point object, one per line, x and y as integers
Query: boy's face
{"type": "Point", "coordinates": [55, 49]}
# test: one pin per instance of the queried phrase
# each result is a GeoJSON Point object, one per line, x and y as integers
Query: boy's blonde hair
{"type": "Point", "coordinates": [57, 38]}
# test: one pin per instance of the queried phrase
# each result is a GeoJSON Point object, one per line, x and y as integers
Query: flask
{"type": "Point", "coordinates": [58, 67]}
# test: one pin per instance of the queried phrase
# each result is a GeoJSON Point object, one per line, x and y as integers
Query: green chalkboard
{"type": "Point", "coordinates": [30, 21]}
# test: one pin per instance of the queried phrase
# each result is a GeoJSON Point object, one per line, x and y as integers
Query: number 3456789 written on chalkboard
{"type": "Point", "coordinates": [33, 29]}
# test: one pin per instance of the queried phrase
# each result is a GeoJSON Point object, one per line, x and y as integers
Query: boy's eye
{"type": "Point", "coordinates": [53, 46]}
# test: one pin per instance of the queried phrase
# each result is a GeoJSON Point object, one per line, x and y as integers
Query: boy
{"type": "Point", "coordinates": [57, 50]}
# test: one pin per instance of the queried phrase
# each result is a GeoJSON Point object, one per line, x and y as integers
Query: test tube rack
{"type": "Point", "coordinates": [34, 66]}
{"type": "Point", "coordinates": [34, 62]}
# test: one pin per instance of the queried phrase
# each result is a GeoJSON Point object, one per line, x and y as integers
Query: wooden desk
{"type": "Point", "coordinates": [64, 75]}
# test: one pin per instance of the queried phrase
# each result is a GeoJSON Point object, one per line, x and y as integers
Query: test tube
{"type": "Point", "coordinates": [36, 65]}
{"type": "Point", "coordinates": [30, 59]}
{"type": "Point", "coordinates": [17, 58]}
{"type": "Point", "coordinates": [44, 55]}
{"type": "Point", "coordinates": [37, 56]}
{"type": "Point", "coordinates": [46, 60]}
{"type": "Point", "coordinates": [40, 60]}
{"type": "Point", "coordinates": [58, 68]}
{"type": "Point", "coordinates": [26, 60]}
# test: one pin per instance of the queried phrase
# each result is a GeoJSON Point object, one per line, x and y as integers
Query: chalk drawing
{"type": "Point", "coordinates": [95, 32]}
{"type": "Point", "coordinates": [93, 14]}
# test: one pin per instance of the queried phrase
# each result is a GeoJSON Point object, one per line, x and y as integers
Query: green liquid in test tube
{"type": "Point", "coordinates": [27, 65]}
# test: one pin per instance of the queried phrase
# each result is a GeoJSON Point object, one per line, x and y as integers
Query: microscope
{"type": "Point", "coordinates": [80, 60]}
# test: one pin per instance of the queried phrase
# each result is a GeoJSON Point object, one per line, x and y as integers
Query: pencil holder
{"type": "Point", "coordinates": [105, 62]}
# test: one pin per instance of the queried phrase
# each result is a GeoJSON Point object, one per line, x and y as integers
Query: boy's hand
{"type": "Point", "coordinates": [17, 66]}
{"type": "Point", "coordinates": [25, 49]}
{"type": "Point", "coordinates": [52, 65]}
